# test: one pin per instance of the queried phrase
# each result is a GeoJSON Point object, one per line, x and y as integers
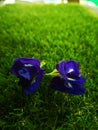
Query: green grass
{"type": "Point", "coordinates": [50, 33]}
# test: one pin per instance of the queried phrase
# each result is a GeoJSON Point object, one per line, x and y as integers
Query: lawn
{"type": "Point", "coordinates": [49, 33]}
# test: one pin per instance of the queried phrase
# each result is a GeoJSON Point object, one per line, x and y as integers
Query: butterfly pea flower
{"type": "Point", "coordinates": [29, 73]}
{"type": "Point", "coordinates": [68, 78]}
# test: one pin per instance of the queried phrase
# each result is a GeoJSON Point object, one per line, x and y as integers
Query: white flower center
{"type": "Point", "coordinates": [71, 70]}
{"type": "Point", "coordinates": [28, 65]}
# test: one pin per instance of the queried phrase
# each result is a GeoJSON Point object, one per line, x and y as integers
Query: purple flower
{"type": "Point", "coordinates": [29, 73]}
{"type": "Point", "coordinates": [68, 79]}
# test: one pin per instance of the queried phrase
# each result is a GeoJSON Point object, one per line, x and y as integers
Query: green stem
{"type": "Point", "coordinates": [53, 73]}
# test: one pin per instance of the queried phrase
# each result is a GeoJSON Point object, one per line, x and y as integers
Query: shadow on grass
{"type": "Point", "coordinates": [45, 109]}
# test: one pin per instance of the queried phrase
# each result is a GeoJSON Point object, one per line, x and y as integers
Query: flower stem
{"type": "Point", "coordinates": [53, 73]}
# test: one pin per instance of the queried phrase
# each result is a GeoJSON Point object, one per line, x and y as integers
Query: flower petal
{"type": "Point", "coordinates": [81, 80]}
{"type": "Point", "coordinates": [28, 61]}
{"type": "Point", "coordinates": [72, 67]}
{"type": "Point", "coordinates": [29, 72]}
{"type": "Point", "coordinates": [24, 73]}
{"type": "Point", "coordinates": [25, 83]}
{"type": "Point", "coordinates": [57, 83]}
{"type": "Point", "coordinates": [73, 87]}
{"type": "Point", "coordinates": [61, 68]}
{"type": "Point", "coordinates": [21, 63]}
{"type": "Point", "coordinates": [77, 88]}
{"type": "Point", "coordinates": [34, 86]}
{"type": "Point", "coordinates": [70, 80]}
{"type": "Point", "coordinates": [67, 68]}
